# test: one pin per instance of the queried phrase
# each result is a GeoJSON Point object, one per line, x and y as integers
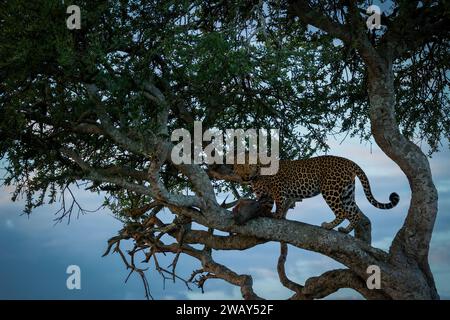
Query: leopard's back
{"type": "Point", "coordinates": [333, 177]}
{"type": "Point", "coordinates": [298, 179]}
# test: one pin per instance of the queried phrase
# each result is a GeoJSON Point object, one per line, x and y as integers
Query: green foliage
{"type": "Point", "coordinates": [213, 62]}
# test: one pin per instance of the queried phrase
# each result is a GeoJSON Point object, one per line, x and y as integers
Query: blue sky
{"type": "Point", "coordinates": [34, 252]}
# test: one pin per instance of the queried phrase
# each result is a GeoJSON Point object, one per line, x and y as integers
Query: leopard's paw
{"type": "Point", "coordinates": [327, 225]}
{"type": "Point", "coordinates": [344, 230]}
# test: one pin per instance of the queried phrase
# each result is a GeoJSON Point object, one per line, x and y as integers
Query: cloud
{"type": "Point", "coordinates": [440, 251]}
{"type": "Point", "coordinates": [439, 259]}
{"type": "Point", "coordinates": [443, 186]}
{"type": "Point", "coordinates": [9, 224]}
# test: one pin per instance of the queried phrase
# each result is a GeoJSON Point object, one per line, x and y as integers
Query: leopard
{"type": "Point", "coordinates": [331, 176]}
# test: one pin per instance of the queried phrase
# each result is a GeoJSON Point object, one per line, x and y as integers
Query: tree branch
{"type": "Point", "coordinates": [353, 253]}
{"type": "Point", "coordinates": [118, 137]}
{"type": "Point", "coordinates": [413, 27]}
{"type": "Point", "coordinates": [96, 175]}
{"type": "Point", "coordinates": [318, 19]}
{"type": "Point", "coordinates": [331, 281]}
{"type": "Point", "coordinates": [214, 269]}
{"type": "Point", "coordinates": [285, 281]}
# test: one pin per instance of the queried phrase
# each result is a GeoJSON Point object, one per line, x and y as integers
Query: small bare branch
{"type": "Point", "coordinates": [285, 281]}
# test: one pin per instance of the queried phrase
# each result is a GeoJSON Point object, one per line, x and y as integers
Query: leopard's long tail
{"type": "Point", "coordinates": [394, 198]}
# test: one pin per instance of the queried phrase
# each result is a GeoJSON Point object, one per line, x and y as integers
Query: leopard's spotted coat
{"type": "Point", "coordinates": [333, 177]}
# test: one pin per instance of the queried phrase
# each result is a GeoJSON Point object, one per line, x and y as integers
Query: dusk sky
{"type": "Point", "coordinates": [34, 252]}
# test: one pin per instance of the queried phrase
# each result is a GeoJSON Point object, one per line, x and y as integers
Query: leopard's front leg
{"type": "Point", "coordinates": [266, 202]}
{"type": "Point", "coordinates": [265, 199]}
{"type": "Point", "coordinates": [283, 205]}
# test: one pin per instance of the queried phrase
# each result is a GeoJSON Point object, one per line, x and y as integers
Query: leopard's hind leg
{"type": "Point", "coordinates": [353, 213]}
{"type": "Point", "coordinates": [344, 207]}
{"type": "Point", "coordinates": [334, 202]}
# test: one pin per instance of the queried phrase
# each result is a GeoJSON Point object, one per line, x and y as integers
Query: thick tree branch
{"type": "Point", "coordinates": [353, 253]}
{"type": "Point", "coordinates": [322, 286]}
{"type": "Point", "coordinates": [232, 242]}
{"type": "Point", "coordinates": [94, 174]}
{"type": "Point", "coordinates": [245, 282]}
{"type": "Point", "coordinates": [410, 247]}
{"type": "Point", "coordinates": [331, 281]}
{"type": "Point", "coordinates": [312, 16]}
{"type": "Point", "coordinates": [411, 244]}
{"type": "Point", "coordinates": [158, 148]}
{"type": "Point", "coordinates": [223, 172]}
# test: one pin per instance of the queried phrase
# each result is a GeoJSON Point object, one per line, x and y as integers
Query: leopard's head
{"type": "Point", "coordinates": [247, 171]}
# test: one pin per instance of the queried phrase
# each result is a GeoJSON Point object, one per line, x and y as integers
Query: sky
{"type": "Point", "coordinates": [35, 252]}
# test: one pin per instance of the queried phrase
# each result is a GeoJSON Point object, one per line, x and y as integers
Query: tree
{"type": "Point", "coordinates": [97, 106]}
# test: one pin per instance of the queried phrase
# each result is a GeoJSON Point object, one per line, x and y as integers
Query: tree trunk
{"type": "Point", "coordinates": [411, 275]}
